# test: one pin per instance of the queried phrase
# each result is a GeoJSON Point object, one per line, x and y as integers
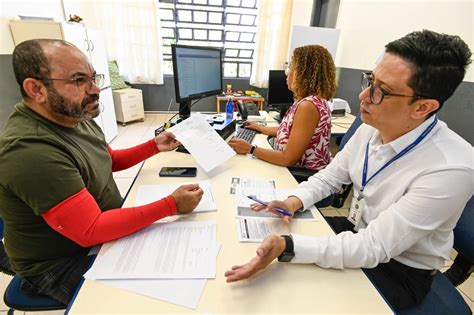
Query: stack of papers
{"type": "Point", "coordinates": [253, 226]}
{"type": "Point", "coordinates": [203, 142]}
{"type": "Point", "coordinates": [249, 184]}
{"type": "Point", "coordinates": [253, 230]}
{"type": "Point", "coordinates": [177, 250]}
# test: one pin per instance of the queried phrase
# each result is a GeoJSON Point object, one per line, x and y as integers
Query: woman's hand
{"type": "Point", "coordinates": [240, 146]}
{"type": "Point", "coordinates": [252, 125]}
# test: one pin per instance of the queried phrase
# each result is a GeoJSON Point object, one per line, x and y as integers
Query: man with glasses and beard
{"type": "Point", "coordinates": [412, 177]}
{"type": "Point", "coordinates": [57, 193]}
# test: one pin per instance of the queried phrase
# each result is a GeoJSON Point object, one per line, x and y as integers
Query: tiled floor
{"type": "Point", "coordinates": [138, 132]}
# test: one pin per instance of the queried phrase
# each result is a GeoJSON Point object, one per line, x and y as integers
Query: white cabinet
{"type": "Point", "coordinates": [91, 43]}
{"type": "Point", "coordinates": [128, 105]}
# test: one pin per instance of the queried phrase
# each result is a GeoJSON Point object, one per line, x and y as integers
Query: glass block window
{"type": "Point", "coordinates": [227, 24]}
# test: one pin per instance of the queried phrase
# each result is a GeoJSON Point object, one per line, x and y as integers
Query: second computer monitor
{"type": "Point", "coordinates": [278, 92]}
{"type": "Point", "coordinates": [279, 96]}
{"type": "Point", "coordinates": [197, 74]}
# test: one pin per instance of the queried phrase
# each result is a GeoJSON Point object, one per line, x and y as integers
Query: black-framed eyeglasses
{"type": "Point", "coordinates": [287, 67]}
{"type": "Point", "coordinates": [377, 94]}
{"type": "Point", "coordinates": [83, 83]}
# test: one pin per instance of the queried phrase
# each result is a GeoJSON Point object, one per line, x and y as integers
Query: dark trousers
{"type": "Point", "coordinates": [60, 283]}
{"type": "Point", "coordinates": [401, 286]}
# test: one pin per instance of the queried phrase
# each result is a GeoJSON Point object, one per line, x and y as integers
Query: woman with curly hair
{"type": "Point", "coordinates": [302, 138]}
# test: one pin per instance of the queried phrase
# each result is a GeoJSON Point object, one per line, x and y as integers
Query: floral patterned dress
{"type": "Point", "coordinates": [317, 155]}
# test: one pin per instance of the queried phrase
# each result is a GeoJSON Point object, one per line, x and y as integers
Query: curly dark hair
{"type": "Point", "coordinates": [315, 72]}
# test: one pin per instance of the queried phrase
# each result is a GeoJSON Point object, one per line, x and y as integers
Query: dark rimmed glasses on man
{"type": "Point", "coordinates": [83, 83]}
{"type": "Point", "coordinates": [377, 94]}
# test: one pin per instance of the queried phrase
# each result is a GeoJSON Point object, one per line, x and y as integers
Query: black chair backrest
{"type": "Point", "coordinates": [350, 132]}
{"type": "Point", "coordinates": [464, 232]}
{"type": "Point", "coordinates": [341, 196]}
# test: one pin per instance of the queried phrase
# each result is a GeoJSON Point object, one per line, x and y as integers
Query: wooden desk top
{"type": "Point", "coordinates": [284, 288]}
{"type": "Point", "coordinates": [339, 125]}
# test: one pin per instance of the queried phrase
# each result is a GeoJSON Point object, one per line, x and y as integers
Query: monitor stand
{"type": "Point", "coordinates": [184, 110]}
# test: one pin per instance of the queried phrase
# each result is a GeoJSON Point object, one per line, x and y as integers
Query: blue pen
{"type": "Point", "coordinates": [282, 211]}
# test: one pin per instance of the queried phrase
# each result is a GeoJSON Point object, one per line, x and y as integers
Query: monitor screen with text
{"type": "Point", "coordinates": [197, 71]}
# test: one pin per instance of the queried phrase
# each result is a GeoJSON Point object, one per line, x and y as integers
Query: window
{"type": "Point", "coordinates": [227, 24]}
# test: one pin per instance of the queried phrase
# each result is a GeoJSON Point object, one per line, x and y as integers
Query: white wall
{"type": "Point", "coordinates": [10, 9]}
{"type": "Point", "coordinates": [367, 25]}
{"type": "Point", "coordinates": [301, 12]}
{"type": "Point", "coordinates": [300, 16]}
{"type": "Point", "coordinates": [82, 9]}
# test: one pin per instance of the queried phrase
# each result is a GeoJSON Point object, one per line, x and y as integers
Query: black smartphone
{"type": "Point", "coordinates": [178, 172]}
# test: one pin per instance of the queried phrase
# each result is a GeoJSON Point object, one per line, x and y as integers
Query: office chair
{"type": "Point", "coordinates": [443, 297]}
{"type": "Point", "coordinates": [341, 196]}
{"type": "Point", "coordinates": [4, 261]}
{"type": "Point", "coordinates": [17, 299]}
{"type": "Point", "coordinates": [463, 244]}
{"type": "Point", "coordinates": [350, 132]}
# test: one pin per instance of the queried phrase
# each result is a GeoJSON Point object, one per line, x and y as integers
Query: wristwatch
{"type": "Point", "coordinates": [252, 149]}
{"type": "Point", "coordinates": [289, 251]}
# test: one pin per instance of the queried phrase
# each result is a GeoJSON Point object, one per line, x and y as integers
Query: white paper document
{"type": "Point", "coordinates": [184, 292]}
{"type": "Point", "coordinates": [251, 184]}
{"type": "Point", "coordinates": [150, 193]}
{"type": "Point", "coordinates": [202, 141]}
{"type": "Point", "coordinates": [177, 250]}
{"type": "Point", "coordinates": [253, 230]}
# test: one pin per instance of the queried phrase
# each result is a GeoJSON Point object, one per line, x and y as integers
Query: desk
{"type": "Point", "coordinates": [258, 100]}
{"type": "Point", "coordinates": [339, 125]}
{"type": "Point", "coordinates": [284, 288]}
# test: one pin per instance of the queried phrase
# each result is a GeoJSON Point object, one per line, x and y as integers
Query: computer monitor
{"type": "Point", "coordinates": [278, 92]}
{"type": "Point", "coordinates": [197, 74]}
{"type": "Point", "coordinates": [279, 96]}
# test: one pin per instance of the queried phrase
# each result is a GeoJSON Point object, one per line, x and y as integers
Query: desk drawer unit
{"type": "Point", "coordinates": [128, 105]}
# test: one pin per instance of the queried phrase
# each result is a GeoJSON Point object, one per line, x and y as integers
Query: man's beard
{"type": "Point", "coordinates": [64, 107]}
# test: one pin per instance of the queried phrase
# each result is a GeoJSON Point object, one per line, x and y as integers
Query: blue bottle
{"type": "Point", "coordinates": [229, 108]}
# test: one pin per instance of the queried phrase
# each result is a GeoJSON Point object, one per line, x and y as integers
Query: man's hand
{"type": "Point", "coordinates": [271, 247]}
{"type": "Point", "coordinates": [240, 146]}
{"type": "Point", "coordinates": [166, 141]}
{"type": "Point", "coordinates": [285, 205]}
{"type": "Point", "coordinates": [187, 197]}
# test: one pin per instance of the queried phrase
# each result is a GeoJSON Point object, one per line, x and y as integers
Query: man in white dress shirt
{"type": "Point", "coordinates": [412, 177]}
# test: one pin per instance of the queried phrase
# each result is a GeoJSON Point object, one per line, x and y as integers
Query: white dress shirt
{"type": "Point", "coordinates": [411, 208]}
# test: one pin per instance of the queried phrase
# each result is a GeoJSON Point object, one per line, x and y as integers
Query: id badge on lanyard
{"type": "Point", "coordinates": [357, 207]}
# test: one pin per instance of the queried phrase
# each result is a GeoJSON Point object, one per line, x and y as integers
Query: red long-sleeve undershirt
{"type": "Point", "coordinates": [125, 158]}
{"type": "Point", "coordinates": [80, 219]}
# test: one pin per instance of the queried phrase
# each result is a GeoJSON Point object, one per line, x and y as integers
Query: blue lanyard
{"type": "Point", "coordinates": [365, 181]}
